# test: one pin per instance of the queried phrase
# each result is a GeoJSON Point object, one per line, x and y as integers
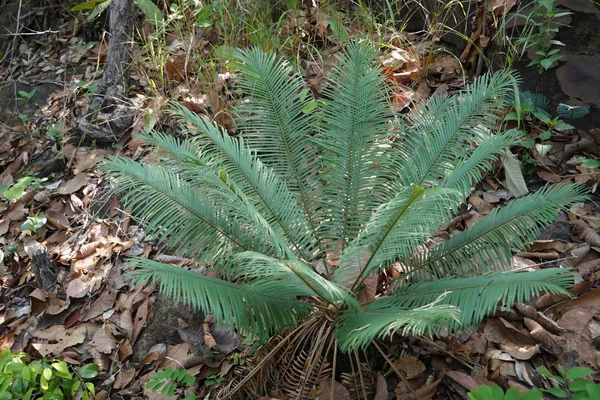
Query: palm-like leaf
{"type": "Point", "coordinates": [353, 136]}
{"type": "Point", "coordinates": [438, 134]}
{"type": "Point", "coordinates": [275, 124]}
{"type": "Point", "coordinates": [261, 312]}
{"type": "Point", "coordinates": [358, 329]}
{"type": "Point", "coordinates": [478, 296]}
{"type": "Point", "coordinates": [308, 204]}
{"type": "Point", "coordinates": [495, 236]}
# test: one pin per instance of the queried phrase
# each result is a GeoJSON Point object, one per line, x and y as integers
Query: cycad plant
{"type": "Point", "coordinates": [303, 210]}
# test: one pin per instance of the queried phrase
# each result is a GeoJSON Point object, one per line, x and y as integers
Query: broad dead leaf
{"type": "Point", "coordinates": [105, 302]}
{"type": "Point", "coordinates": [338, 392]}
{"type": "Point", "coordinates": [73, 185]}
{"type": "Point", "coordinates": [60, 338]}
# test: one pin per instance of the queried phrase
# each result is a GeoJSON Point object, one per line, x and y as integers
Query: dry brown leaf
{"type": "Point", "coordinates": [17, 212]}
{"type": "Point", "coordinates": [126, 323]}
{"type": "Point", "coordinates": [125, 350]}
{"type": "Point", "coordinates": [175, 355]}
{"type": "Point", "coordinates": [87, 249]}
{"type": "Point", "coordinates": [103, 342]}
{"type": "Point", "coordinates": [73, 185]}
{"type": "Point", "coordinates": [124, 377]}
{"type": "Point", "coordinates": [540, 334]}
{"type": "Point", "coordinates": [369, 289]}
{"type": "Point", "coordinates": [77, 288]}
{"type": "Point", "coordinates": [467, 381]}
{"type": "Point", "coordinates": [381, 390]}
{"type": "Point", "coordinates": [586, 233]}
{"type": "Point", "coordinates": [480, 205]}
{"type": "Point", "coordinates": [411, 366]}
{"type": "Point", "coordinates": [424, 393]}
{"type": "Point", "coordinates": [209, 341]}
{"type": "Point", "coordinates": [140, 320]}
{"type": "Point", "coordinates": [105, 302]}
{"type": "Point", "coordinates": [549, 176]}
{"type": "Point", "coordinates": [60, 336]}
{"type": "Point", "coordinates": [339, 392]}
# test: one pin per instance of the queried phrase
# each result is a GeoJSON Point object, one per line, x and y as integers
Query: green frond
{"type": "Point", "coordinates": [179, 212]}
{"type": "Point", "coordinates": [495, 236]}
{"type": "Point", "coordinates": [397, 228]}
{"type": "Point", "coordinates": [289, 276]}
{"type": "Point", "coordinates": [356, 330]}
{"type": "Point", "coordinates": [355, 118]}
{"type": "Point", "coordinates": [275, 125]}
{"type": "Point", "coordinates": [479, 296]}
{"type": "Point", "coordinates": [260, 184]}
{"type": "Point", "coordinates": [470, 169]}
{"type": "Point", "coordinates": [261, 313]}
{"type": "Point", "coordinates": [437, 135]}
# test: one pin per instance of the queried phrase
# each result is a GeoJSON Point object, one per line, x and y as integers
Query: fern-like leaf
{"type": "Point", "coordinates": [478, 296]}
{"type": "Point", "coordinates": [356, 330]}
{"type": "Point", "coordinates": [262, 313]}
{"type": "Point", "coordinates": [495, 236]}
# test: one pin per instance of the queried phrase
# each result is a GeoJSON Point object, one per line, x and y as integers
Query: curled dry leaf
{"type": "Point", "coordinates": [124, 377]}
{"type": "Point", "coordinates": [209, 341]}
{"type": "Point", "coordinates": [540, 334]}
{"type": "Point", "coordinates": [582, 229]}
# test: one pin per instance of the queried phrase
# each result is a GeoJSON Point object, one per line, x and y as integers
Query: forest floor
{"type": "Point", "coordinates": [64, 237]}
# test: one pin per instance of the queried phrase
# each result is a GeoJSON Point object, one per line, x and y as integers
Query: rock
{"type": "Point", "coordinates": [579, 77]}
{"type": "Point", "coordinates": [163, 325]}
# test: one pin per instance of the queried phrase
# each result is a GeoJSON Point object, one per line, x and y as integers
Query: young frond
{"type": "Point", "coordinates": [479, 296]}
{"type": "Point", "coordinates": [495, 236]}
{"type": "Point", "coordinates": [356, 329]}
{"type": "Point", "coordinates": [355, 122]}
{"type": "Point", "coordinates": [263, 313]}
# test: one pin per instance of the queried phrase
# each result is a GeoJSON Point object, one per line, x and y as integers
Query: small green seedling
{"type": "Point", "coordinates": [496, 393]}
{"type": "Point", "coordinates": [590, 163]}
{"type": "Point", "coordinates": [572, 383]}
{"type": "Point", "coordinates": [44, 379]}
{"type": "Point", "coordinates": [213, 379]}
{"type": "Point", "coordinates": [26, 96]}
{"type": "Point", "coordinates": [169, 379]}
{"type": "Point", "coordinates": [571, 112]}
{"type": "Point", "coordinates": [17, 190]}
{"type": "Point", "coordinates": [34, 224]}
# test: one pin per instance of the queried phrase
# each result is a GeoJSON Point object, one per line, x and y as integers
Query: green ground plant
{"type": "Point", "coordinates": [169, 380]}
{"type": "Point", "coordinates": [572, 384]}
{"type": "Point", "coordinates": [44, 379]}
{"type": "Point", "coordinates": [315, 202]}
